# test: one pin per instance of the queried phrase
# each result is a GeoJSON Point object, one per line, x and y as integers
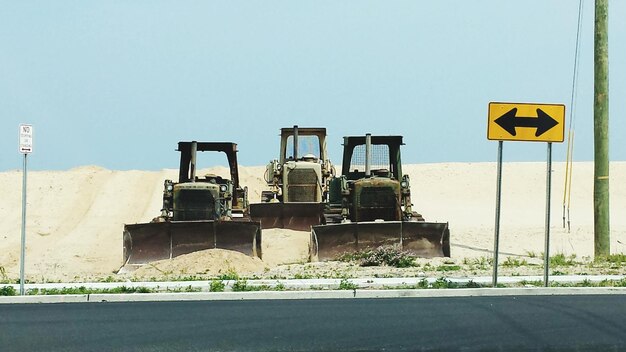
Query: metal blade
{"type": "Point", "coordinates": [293, 216]}
{"type": "Point", "coordinates": [148, 242]}
{"type": "Point", "coordinates": [422, 239]}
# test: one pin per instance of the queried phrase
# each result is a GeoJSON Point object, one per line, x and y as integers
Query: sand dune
{"type": "Point", "coordinates": [75, 217]}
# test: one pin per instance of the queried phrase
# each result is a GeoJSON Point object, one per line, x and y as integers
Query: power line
{"type": "Point", "coordinates": [570, 134]}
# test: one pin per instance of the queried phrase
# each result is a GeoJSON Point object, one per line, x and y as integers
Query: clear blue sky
{"type": "Point", "coordinates": [119, 83]}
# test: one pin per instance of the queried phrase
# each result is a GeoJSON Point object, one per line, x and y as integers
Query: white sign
{"type": "Point", "coordinates": [26, 139]}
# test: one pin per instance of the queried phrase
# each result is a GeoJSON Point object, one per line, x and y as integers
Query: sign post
{"type": "Point", "coordinates": [26, 147]}
{"type": "Point", "coordinates": [496, 240]}
{"type": "Point", "coordinates": [527, 123]}
{"type": "Point", "coordinates": [546, 259]}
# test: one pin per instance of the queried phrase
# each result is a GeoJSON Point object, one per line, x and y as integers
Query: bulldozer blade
{"type": "Point", "coordinates": [423, 239]}
{"type": "Point", "coordinates": [148, 242]}
{"type": "Point", "coordinates": [293, 216]}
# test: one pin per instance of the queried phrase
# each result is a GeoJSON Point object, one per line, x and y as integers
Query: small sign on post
{"type": "Point", "coordinates": [25, 147]}
{"type": "Point", "coordinates": [26, 139]}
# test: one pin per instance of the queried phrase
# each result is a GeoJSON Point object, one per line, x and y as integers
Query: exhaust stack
{"type": "Point", "coordinates": [194, 151]}
{"type": "Point", "coordinates": [368, 155]}
{"type": "Point", "coordinates": [295, 142]}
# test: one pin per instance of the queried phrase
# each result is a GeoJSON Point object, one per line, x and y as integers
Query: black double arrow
{"type": "Point", "coordinates": [543, 122]}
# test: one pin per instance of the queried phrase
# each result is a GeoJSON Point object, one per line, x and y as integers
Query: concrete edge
{"type": "Point", "coordinates": [335, 294]}
{"type": "Point", "coordinates": [44, 299]}
{"type": "Point", "coordinates": [329, 284]}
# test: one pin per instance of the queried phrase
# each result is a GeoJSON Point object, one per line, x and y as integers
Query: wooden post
{"type": "Point", "coordinates": [601, 132]}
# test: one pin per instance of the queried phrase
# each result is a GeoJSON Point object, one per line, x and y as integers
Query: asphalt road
{"type": "Point", "coordinates": [568, 323]}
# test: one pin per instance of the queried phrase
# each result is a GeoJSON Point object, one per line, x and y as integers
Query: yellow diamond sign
{"type": "Point", "coordinates": [527, 122]}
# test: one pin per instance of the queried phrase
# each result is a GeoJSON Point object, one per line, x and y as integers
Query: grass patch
{"type": "Point", "coordinates": [110, 278]}
{"type": "Point", "coordinates": [82, 290]}
{"type": "Point", "coordinates": [217, 286]}
{"type": "Point", "coordinates": [3, 275]}
{"type": "Point", "coordinates": [446, 268]}
{"type": "Point", "coordinates": [229, 275]}
{"type": "Point", "coordinates": [346, 284]}
{"type": "Point", "coordinates": [562, 260]}
{"type": "Point", "coordinates": [187, 288]}
{"type": "Point", "coordinates": [514, 262]}
{"type": "Point", "coordinates": [302, 276]}
{"type": "Point", "coordinates": [613, 259]}
{"type": "Point", "coordinates": [241, 286]}
{"type": "Point", "coordinates": [7, 291]}
{"type": "Point", "coordinates": [531, 254]}
{"type": "Point", "coordinates": [442, 282]}
{"type": "Point", "coordinates": [482, 263]}
{"type": "Point", "coordinates": [384, 255]}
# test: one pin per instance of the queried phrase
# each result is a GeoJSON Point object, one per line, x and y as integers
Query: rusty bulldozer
{"type": "Point", "coordinates": [370, 206]}
{"type": "Point", "coordinates": [198, 213]}
{"type": "Point", "coordinates": [298, 181]}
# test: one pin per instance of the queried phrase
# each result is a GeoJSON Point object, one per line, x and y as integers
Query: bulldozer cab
{"type": "Point", "coordinates": [199, 212]}
{"type": "Point", "coordinates": [384, 158]}
{"type": "Point", "coordinates": [302, 143]}
{"type": "Point", "coordinates": [380, 159]}
{"type": "Point", "coordinates": [233, 196]}
{"type": "Point", "coordinates": [298, 181]}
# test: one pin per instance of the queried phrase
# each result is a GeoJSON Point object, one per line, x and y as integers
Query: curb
{"type": "Point", "coordinates": [336, 294]}
{"type": "Point", "coordinates": [320, 284]}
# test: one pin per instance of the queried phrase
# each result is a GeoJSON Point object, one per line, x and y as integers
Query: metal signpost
{"type": "Point", "coordinates": [26, 147]}
{"type": "Point", "coordinates": [527, 123]}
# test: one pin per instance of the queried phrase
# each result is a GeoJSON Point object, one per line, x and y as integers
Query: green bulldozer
{"type": "Point", "coordinates": [370, 206]}
{"type": "Point", "coordinates": [298, 181]}
{"type": "Point", "coordinates": [199, 212]}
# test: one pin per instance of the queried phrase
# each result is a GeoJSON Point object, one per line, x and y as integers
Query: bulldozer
{"type": "Point", "coordinates": [298, 181]}
{"type": "Point", "coordinates": [199, 212]}
{"type": "Point", "coordinates": [370, 206]}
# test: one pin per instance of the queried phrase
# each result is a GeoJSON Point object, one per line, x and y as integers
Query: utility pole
{"type": "Point", "coordinates": [602, 238]}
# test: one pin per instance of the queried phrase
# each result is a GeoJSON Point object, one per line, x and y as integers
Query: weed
{"type": "Point", "coordinates": [241, 286]}
{"type": "Point", "coordinates": [561, 260]}
{"type": "Point", "coordinates": [536, 283]}
{"type": "Point", "coordinates": [109, 279]}
{"type": "Point", "coordinates": [472, 284]}
{"type": "Point", "coordinates": [302, 276]}
{"type": "Point", "coordinates": [514, 262]}
{"type": "Point", "coordinates": [442, 282]}
{"type": "Point", "coordinates": [7, 291]}
{"type": "Point", "coordinates": [445, 268]}
{"type": "Point", "coordinates": [588, 283]}
{"type": "Point", "coordinates": [620, 283]}
{"type": "Point", "coordinates": [3, 274]}
{"type": "Point", "coordinates": [613, 258]}
{"type": "Point", "coordinates": [217, 286]}
{"type": "Point", "coordinates": [531, 254]}
{"type": "Point", "coordinates": [229, 275]}
{"type": "Point", "coordinates": [82, 290]}
{"type": "Point", "coordinates": [279, 287]}
{"type": "Point", "coordinates": [187, 288]}
{"type": "Point", "coordinates": [345, 284]}
{"type": "Point", "coordinates": [384, 255]}
{"type": "Point", "coordinates": [350, 256]}
{"type": "Point", "coordinates": [482, 263]}
{"type": "Point", "coordinates": [190, 288]}
{"type": "Point", "coordinates": [188, 278]}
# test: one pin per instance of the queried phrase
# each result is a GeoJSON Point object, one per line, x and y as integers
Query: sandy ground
{"type": "Point", "coordinates": [75, 217]}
